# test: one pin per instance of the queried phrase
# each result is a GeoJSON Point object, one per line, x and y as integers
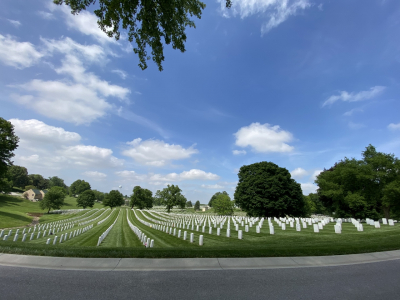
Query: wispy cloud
{"type": "Point", "coordinates": [274, 12]}
{"type": "Point", "coordinates": [120, 73]}
{"type": "Point", "coordinates": [393, 126]}
{"type": "Point", "coordinates": [353, 97]}
{"type": "Point", "coordinates": [351, 112]}
{"type": "Point", "coordinates": [15, 22]}
{"type": "Point", "coordinates": [239, 152]}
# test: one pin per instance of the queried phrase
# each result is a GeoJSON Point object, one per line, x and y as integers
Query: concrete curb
{"type": "Point", "coordinates": [171, 264]}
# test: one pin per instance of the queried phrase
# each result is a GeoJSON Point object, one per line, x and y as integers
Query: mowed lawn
{"type": "Point", "coordinates": [122, 242]}
{"type": "Point", "coordinates": [18, 212]}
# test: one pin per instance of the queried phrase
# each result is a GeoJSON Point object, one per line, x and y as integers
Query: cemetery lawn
{"type": "Point", "coordinates": [18, 212]}
{"type": "Point", "coordinates": [121, 242]}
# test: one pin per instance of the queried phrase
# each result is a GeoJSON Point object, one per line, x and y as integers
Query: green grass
{"type": "Point", "coordinates": [17, 212]}
{"type": "Point", "coordinates": [122, 242]}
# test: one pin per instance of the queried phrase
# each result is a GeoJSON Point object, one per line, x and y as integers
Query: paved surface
{"type": "Point", "coordinates": [379, 280]}
{"type": "Point", "coordinates": [143, 264]}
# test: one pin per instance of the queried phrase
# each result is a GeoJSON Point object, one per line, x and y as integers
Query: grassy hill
{"type": "Point", "coordinates": [16, 211]}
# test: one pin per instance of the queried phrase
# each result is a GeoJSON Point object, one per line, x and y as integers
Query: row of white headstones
{"type": "Point", "coordinates": [170, 230]}
{"type": "Point", "coordinates": [52, 228]}
{"type": "Point", "coordinates": [195, 221]}
{"type": "Point", "coordinates": [105, 233]}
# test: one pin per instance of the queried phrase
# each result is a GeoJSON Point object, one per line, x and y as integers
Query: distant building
{"type": "Point", "coordinates": [205, 208]}
{"type": "Point", "coordinates": [34, 194]}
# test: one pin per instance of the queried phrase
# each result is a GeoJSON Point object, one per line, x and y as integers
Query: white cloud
{"type": "Point", "coordinates": [353, 97]}
{"type": "Point", "coordinates": [120, 73]}
{"type": "Point", "coordinates": [156, 153]}
{"type": "Point", "coordinates": [50, 147]}
{"type": "Point", "coordinates": [197, 174]}
{"type": "Point", "coordinates": [393, 126]}
{"type": "Point", "coordinates": [315, 174]}
{"type": "Point", "coordinates": [308, 188]}
{"type": "Point", "coordinates": [264, 138]}
{"type": "Point", "coordinates": [67, 46]}
{"type": "Point", "coordinates": [89, 156]}
{"type": "Point", "coordinates": [239, 152]}
{"type": "Point", "coordinates": [38, 132]}
{"type": "Point", "coordinates": [274, 11]}
{"type": "Point", "coordinates": [75, 103]}
{"type": "Point", "coordinates": [298, 173]}
{"type": "Point", "coordinates": [85, 22]}
{"type": "Point", "coordinates": [73, 66]}
{"type": "Point", "coordinates": [193, 174]}
{"type": "Point", "coordinates": [213, 186]}
{"type": "Point", "coordinates": [14, 22]}
{"type": "Point", "coordinates": [18, 54]}
{"type": "Point", "coordinates": [94, 174]}
{"type": "Point", "coordinates": [351, 112]}
{"type": "Point", "coordinates": [80, 101]}
{"type": "Point", "coordinates": [46, 15]}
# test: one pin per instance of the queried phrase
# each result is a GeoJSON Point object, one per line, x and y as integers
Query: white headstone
{"type": "Point", "coordinates": [15, 237]}
{"type": "Point", "coordinates": [384, 221]}
{"type": "Point", "coordinates": [48, 241]}
{"type": "Point", "coordinates": [218, 231]}
{"type": "Point", "coordinates": [179, 233]}
{"type": "Point", "coordinates": [240, 234]}
{"type": "Point", "coordinates": [191, 237]}
{"type": "Point", "coordinates": [184, 235]}
{"type": "Point", "coordinates": [271, 229]}
{"type": "Point", "coordinates": [316, 228]}
{"type": "Point", "coordinates": [24, 237]}
{"type": "Point", "coordinates": [228, 232]}
{"type": "Point", "coordinates": [201, 240]}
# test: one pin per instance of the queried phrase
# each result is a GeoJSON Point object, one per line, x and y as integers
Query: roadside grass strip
{"type": "Point", "coordinates": [147, 242]}
{"type": "Point", "coordinates": [105, 233]}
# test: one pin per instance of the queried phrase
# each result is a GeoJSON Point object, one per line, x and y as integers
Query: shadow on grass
{"type": "Point", "coordinates": [6, 200]}
{"type": "Point", "coordinates": [12, 216]}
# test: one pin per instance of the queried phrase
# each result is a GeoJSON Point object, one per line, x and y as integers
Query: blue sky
{"type": "Point", "coordinates": [300, 83]}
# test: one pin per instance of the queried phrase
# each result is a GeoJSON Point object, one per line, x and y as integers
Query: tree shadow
{"type": "Point", "coordinates": [24, 219]}
{"type": "Point", "coordinates": [6, 200]}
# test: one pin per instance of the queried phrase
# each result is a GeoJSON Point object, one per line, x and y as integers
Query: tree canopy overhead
{"type": "Point", "coordinates": [210, 203]}
{"type": "Point", "coordinates": [148, 23]}
{"type": "Point", "coordinates": [267, 190]}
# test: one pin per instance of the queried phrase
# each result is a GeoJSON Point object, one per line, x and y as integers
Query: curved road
{"type": "Point", "coordinates": [379, 280]}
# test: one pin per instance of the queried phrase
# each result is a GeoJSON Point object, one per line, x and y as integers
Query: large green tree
{"type": "Point", "coordinates": [361, 188]}
{"type": "Point", "coordinates": [99, 195]}
{"type": "Point", "coordinates": [86, 199]}
{"type": "Point", "coordinates": [54, 198]}
{"type": "Point", "coordinates": [39, 181]}
{"type": "Point", "coordinates": [197, 205]}
{"type": "Point", "coordinates": [210, 203]}
{"type": "Point", "coordinates": [56, 181]}
{"type": "Point", "coordinates": [113, 199]}
{"type": "Point", "coordinates": [171, 196]}
{"type": "Point", "coordinates": [18, 175]}
{"type": "Point", "coordinates": [78, 187]}
{"type": "Point", "coordinates": [8, 143]}
{"type": "Point", "coordinates": [223, 205]}
{"type": "Point", "coordinates": [267, 190]}
{"type": "Point", "coordinates": [189, 204]}
{"type": "Point", "coordinates": [141, 198]}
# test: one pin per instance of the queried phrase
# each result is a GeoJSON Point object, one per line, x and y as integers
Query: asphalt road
{"type": "Point", "coordinates": [379, 280]}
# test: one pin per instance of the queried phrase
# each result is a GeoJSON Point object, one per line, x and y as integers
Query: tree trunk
{"type": "Point", "coordinates": [48, 211]}
{"type": "Point", "coordinates": [386, 211]}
